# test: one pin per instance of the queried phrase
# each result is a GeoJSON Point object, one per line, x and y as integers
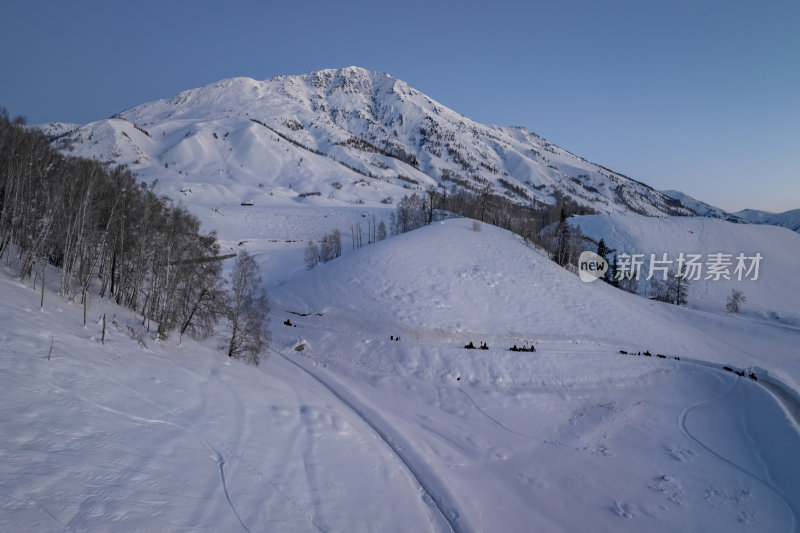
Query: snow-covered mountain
{"type": "Point", "coordinates": [701, 208]}
{"type": "Point", "coordinates": [346, 135]}
{"type": "Point", "coordinates": [787, 219]}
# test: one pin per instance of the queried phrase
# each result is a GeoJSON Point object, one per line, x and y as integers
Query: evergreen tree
{"type": "Point", "coordinates": [613, 272]}
{"type": "Point", "coordinates": [680, 286]}
{"type": "Point", "coordinates": [563, 244]}
{"type": "Point", "coordinates": [603, 251]}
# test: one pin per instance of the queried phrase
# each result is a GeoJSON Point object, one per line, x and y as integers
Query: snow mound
{"type": "Point", "coordinates": [449, 284]}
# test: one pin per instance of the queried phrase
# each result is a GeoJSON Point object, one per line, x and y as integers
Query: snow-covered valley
{"type": "Point", "coordinates": [361, 432]}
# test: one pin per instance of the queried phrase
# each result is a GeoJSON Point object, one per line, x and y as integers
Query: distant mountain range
{"type": "Point", "coordinates": [787, 219]}
{"type": "Point", "coordinates": [350, 135]}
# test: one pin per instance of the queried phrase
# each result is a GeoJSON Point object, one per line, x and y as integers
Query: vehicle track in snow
{"type": "Point", "coordinates": [446, 510]}
{"type": "Point", "coordinates": [764, 483]}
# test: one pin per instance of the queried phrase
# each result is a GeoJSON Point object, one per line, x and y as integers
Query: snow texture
{"type": "Point", "coordinates": [360, 432]}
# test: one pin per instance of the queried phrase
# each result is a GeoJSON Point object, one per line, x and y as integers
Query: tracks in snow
{"type": "Point", "coordinates": [221, 464]}
{"type": "Point", "coordinates": [763, 482]}
{"type": "Point", "coordinates": [221, 454]}
{"type": "Point", "coordinates": [490, 417]}
{"type": "Point", "coordinates": [436, 496]}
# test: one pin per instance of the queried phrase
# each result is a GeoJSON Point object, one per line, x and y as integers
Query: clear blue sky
{"type": "Point", "coordinates": [700, 96]}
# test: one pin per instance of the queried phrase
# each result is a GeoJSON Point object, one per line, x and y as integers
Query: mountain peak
{"type": "Point", "coordinates": [321, 130]}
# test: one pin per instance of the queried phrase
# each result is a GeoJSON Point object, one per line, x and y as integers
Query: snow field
{"type": "Point", "coordinates": [364, 433]}
{"type": "Point", "coordinates": [177, 438]}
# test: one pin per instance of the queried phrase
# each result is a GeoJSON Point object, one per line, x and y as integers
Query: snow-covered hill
{"type": "Point", "coordinates": [787, 219]}
{"type": "Point", "coordinates": [767, 297]}
{"type": "Point", "coordinates": [449, 283]}
{"type": "Point", "coordinates": [348, 135]}
{"type": "Point", "coordinates": [362, 432]}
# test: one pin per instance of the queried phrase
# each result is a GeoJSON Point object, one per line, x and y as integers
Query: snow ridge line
{"type": "Point", "coordinates": [451, 518]}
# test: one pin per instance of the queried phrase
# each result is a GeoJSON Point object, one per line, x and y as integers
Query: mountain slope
{"type": "Point", "coordinates": [156, 437]}
{"type": "Point", "coordinates": [766, 296]}
{"type": "Point", "coordinates": [504, 423]}
{"type": "Point", "coordinates": [446, 282]}
{"type": "Point", "coordinates": [701, 208]}
{"type": "Point", "coordinates": [350, 135]}
{"type": "Point", "coordinates": [787, 219]}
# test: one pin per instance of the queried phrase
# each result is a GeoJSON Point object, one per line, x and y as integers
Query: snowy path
{"type": "Point", "coordinates": [437, 495]}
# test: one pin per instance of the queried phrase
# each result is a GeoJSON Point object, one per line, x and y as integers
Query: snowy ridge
{"type": "Point", "coordinates": [350, 134]}
{"type": "Point", "coordinates": [787, 219]}
{"type": "Point", "coordinates": [701, 208]}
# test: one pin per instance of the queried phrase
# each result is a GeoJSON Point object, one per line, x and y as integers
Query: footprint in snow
{"type": "Point", "coordinates": [679, 453]}
{"type": "Point", "coordinates": [623, 510]}
{"type": "Point", "coordinates": [669, 487]}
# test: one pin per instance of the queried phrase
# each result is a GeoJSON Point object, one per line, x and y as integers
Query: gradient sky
{"type": "Point", "coordinates": [700, 96]}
